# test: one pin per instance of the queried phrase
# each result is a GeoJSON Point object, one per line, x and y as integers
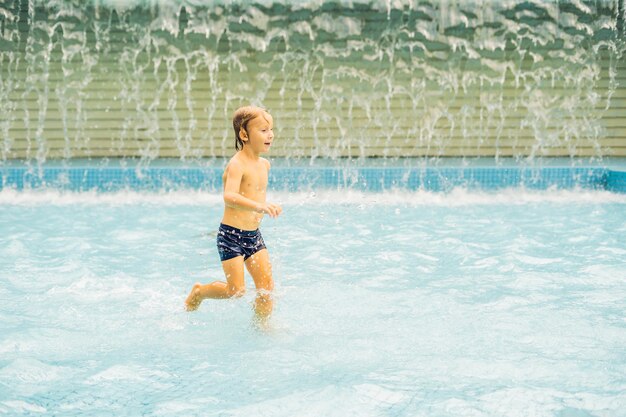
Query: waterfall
{"type": "Point", "coordinates": [464, 78]}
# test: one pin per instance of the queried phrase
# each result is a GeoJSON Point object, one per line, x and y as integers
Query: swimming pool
{"type": "Point", "coordinates": [440, 285]}
{"type": "Point", "coordinates": [402, 303]}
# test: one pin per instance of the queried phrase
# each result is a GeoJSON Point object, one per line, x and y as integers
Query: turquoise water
{"type": "Point", "coordinates": [418, 304]}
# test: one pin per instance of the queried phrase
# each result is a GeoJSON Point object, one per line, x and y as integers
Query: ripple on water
{"type": "Point", "coordinates": [399, 314]}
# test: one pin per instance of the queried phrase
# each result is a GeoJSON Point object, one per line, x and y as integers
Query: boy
{"type": "Point", "coordinates": [239, 240]}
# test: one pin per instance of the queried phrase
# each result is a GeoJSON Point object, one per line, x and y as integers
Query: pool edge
{"type": "Point", "coordinates": [376, 179]}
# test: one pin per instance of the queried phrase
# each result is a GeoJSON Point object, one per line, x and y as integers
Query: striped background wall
{"type": "Point", "coordinates": [450, 78]}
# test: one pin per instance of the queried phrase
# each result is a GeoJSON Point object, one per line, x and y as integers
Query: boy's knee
{"type": "Point", "coordinates": [237, 292]}
{"type": "Point", "coordinates": [266, 285]}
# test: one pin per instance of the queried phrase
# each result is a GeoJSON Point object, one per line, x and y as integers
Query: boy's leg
{"type": "Point", "coordinates": [233, 287]}
{"type": "Point", "coordinates": [260, 269]}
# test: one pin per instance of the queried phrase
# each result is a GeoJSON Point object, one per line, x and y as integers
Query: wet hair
{"type": "Point", "coordinates": [241, 117]}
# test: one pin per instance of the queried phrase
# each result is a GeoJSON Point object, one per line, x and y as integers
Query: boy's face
{"type": "Point", "coordinates": [259, 134]}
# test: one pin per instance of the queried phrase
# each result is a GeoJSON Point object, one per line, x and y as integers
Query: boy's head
{"type": "Point", "coordinates": [241, 118]}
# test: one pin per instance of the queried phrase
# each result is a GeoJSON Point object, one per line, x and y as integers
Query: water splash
{"type": "Point", "coordinates": [458, 197]}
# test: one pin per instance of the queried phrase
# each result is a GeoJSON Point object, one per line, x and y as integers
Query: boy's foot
{"type": "Point", "coordinates": [193, 299]}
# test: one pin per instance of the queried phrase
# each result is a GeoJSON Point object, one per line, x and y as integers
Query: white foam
{"type": "Point", "coordinates": [66, 198]}
{"type": "Point", "coordinates": [457, 197]}
{"type": "Point", "coordinates": [127, 373]}
{"type": "Point", "coordinates": [20, 406]}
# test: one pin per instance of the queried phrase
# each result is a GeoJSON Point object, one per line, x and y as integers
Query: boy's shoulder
{"type": "Point", "coordinates": [232, 161]}
{"type": "Point", "coordinates": [240, 163]}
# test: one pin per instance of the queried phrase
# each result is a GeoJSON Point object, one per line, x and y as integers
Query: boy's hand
{"type": "Point", "coordinates": [272, 209]}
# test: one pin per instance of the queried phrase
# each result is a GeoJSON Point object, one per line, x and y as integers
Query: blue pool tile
{"type": "Point", "coordinates": [83, 178]}
{"type": "Point", "coordinates": [616, 181]}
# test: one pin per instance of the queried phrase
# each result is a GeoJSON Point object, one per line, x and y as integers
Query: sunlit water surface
{"type": "Point", "coordinates": [460, 304]}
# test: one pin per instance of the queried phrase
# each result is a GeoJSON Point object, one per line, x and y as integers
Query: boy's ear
{"type": "Point", "coordinates": [243, 134]}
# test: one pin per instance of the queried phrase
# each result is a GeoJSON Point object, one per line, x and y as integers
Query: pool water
{"type": "Point", "coordinates": [416, 304]}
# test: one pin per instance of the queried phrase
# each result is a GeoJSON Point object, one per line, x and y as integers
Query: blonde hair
{"type": "Point", "coordinates": [241, 117]}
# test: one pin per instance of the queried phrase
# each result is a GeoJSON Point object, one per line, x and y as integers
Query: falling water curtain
{"type": "Point", "coordinates": [152, 79]}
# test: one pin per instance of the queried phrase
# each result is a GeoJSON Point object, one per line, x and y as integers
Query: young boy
{"type": "Point", "coordinates": [239, 240]}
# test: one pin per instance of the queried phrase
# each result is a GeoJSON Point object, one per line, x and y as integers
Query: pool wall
{"type": "Point", "coordinates": [368, 178]}
{"type": "Point", "coordinates": [616, 181]}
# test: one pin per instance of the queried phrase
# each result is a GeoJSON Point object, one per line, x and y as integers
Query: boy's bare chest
{"type": "Point", "coordinates": [254, 181]}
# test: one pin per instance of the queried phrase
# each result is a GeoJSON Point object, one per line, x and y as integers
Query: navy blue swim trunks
{"type": "Point", "coordinates": [233, 242]}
